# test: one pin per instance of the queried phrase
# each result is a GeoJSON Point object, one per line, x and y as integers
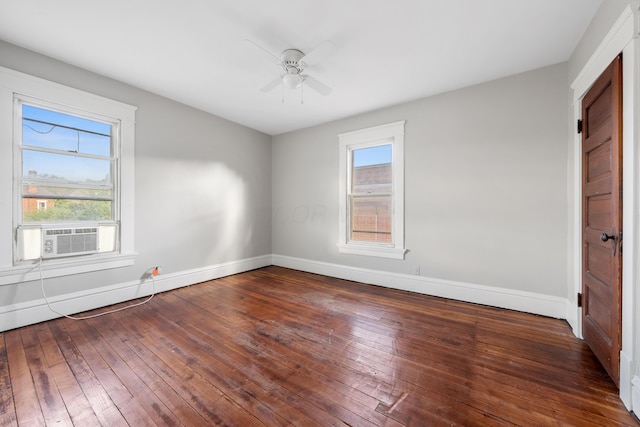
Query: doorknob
{"type": "Point", "coordinates": [614, 239]}
{"type": "Point", "coordinates": [605, 237]}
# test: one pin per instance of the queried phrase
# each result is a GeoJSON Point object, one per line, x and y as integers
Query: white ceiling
{"type": "Point", "coordinates": [387, 52]}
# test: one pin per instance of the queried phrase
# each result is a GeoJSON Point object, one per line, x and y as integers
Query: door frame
{"type": "Point", "coordinates": [623, 37]}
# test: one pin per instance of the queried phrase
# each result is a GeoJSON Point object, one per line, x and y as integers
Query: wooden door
{"type": "Point", "coordinates": [602, 218]}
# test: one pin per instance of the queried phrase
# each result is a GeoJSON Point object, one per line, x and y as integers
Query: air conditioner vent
{"type": "Point", "coordinates": [60, 242]}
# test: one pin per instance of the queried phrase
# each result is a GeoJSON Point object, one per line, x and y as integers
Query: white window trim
{"type": "Point", "coordinates": [16, 83]}
{"type": "Point", "coordinates": [392, 133]}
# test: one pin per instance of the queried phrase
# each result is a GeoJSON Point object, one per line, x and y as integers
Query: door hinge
{"type": "Point", "coordinates": [579, 299]}
{"type": "Point", "coordinates": [579, 126]}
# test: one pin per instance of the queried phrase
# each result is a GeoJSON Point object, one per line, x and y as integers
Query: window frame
{"type": "Point", "coordinates": [20, 148]}
{"type": "Point", "coordinates": [353, 196]}
{"type": "Point", "coordinates": [389, 134]}
{"type": "Point", "coordinates": [13, 85]}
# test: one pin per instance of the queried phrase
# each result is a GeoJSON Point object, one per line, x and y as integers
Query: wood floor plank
{"type": "Point", "coordinates": [76, 403]}
{"type": "Point", "coordinates": [199, 394]}
{"type": "Point", "coordinates": [274, 345]}
{"type": "Point", "coordinates": [52, 354]}
{"type": "Point", "coordinates": [25, 397]}
{"type": "Point", "coordinates": [123, 366]}
{"type": "Point", "coordinates": [89, 377]}
{"type": "Point", "coordinates": [176, 346]}
{"type": "Point", "coordinates": [446, 355]}
{"type": "Point", "coordinates": [7, 407]}
{"type": "Point", "coordinates": [216, 359]}
{"type": "Point", "coordinates": [74, 400]}
{"type": "Point", "coordinates": [451, 397]}
{"type": "Point", "coordinates": [278, 347]}
{"type": "Point", "coordinates": [51, 402]}
{"type": "Point", "coordinates": [166, 403]}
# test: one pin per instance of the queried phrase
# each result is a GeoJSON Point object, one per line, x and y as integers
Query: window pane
{"type": "Point", "coordinates": [52, 130]}
{"type": "Point", "coordinates": [49, 210]}
{"type": "Point", "coordinates": [44, 191]}
{"type": "Point", "coordinates": [371, 218]}
{"type": "Point", "coordinates": [372, 155]}
{"type": "Point", "coordinates": [371, 172]}
{"type": "Point", "coordinates": [39, 166]}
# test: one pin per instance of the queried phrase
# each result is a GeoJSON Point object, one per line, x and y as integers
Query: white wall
{"type": "Point", "coordinates": [485, 180]}
{"type": "Point", "coordinates": [202, 188]}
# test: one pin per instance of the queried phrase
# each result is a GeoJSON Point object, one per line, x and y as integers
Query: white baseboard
{"type": "Point", "coordinates": [635, 395]}
{"type": "Point", "coordinates": [573, 315]}
{"type": "Point", "coordinates": [528, 302]}
{"type": "Point", "coordinates": [21, 314]}
{"type": "Point", "coordinates": [27, 313]}
{"type": "Point", "coordinates": [627, 380]}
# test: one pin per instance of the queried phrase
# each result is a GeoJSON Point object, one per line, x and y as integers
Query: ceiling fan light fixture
{"type": "Point", "coordinates": [292, 65]}
{"type": "Point", "coordinates": [292, 81]}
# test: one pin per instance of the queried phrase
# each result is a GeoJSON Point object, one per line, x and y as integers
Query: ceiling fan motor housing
{"type": "Point", "coordinates": [291, 61]}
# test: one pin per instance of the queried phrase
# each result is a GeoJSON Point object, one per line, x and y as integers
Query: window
{"type": "Point", "coordinates": [67, 168]}
{"type": "Point", "coordinates": [70, 167]}
{"type": "Point", "coordinates": [372, 191]}
{"type": "Point", "coordinates": [370, 194]}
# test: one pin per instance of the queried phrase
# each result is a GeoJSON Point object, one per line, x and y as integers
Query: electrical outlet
{"type": "Point", "coordinates": [416, 270]}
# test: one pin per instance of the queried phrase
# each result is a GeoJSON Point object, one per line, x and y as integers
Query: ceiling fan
{"type": "Point", "coordinates": [293, 62]}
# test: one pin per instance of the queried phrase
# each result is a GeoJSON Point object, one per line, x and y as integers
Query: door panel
{"type": "Point", "coordinates": [599, 265]}
{"type": "Point", "coordinates": [602, 218]}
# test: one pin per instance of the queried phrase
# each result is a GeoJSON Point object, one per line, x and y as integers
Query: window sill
{"type": "Point", "coordinates": [25, 272]}
{"type": "Point", "coordinates": [376, 251]}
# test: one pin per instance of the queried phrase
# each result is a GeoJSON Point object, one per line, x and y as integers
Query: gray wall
{"type": "Point", "coordinates": [202, 184]}
{"type": "Point", "coordinates": [485, 185]}
{"type": "Point", "coordinates": [599, 26]}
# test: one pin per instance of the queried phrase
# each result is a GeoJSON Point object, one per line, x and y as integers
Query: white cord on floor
{"type": "Point", "coordinates": [153, 292]}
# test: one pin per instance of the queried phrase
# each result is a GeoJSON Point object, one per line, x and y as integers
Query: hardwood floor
{"type": "Point", "coordinates": [277, 347]}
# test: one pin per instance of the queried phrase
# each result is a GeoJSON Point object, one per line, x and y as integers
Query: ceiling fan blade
{"type": "Point", "coordinates": [318, 54]}
{"type": "Point", "coordinates": [272, 85]}
{"type": "Point", "coordinates": [271, 55]}
{"type": "Point", "coordinates": [317, 85]}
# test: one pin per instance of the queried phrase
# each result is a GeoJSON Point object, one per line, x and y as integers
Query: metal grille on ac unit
{"type": "Point", "coordinates": [58, 242]}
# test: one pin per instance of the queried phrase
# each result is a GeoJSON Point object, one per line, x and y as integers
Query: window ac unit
{"type": "Point", "coordinates": [55, 241]}
{"type": "Point", "coordinates": [59, 242]}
